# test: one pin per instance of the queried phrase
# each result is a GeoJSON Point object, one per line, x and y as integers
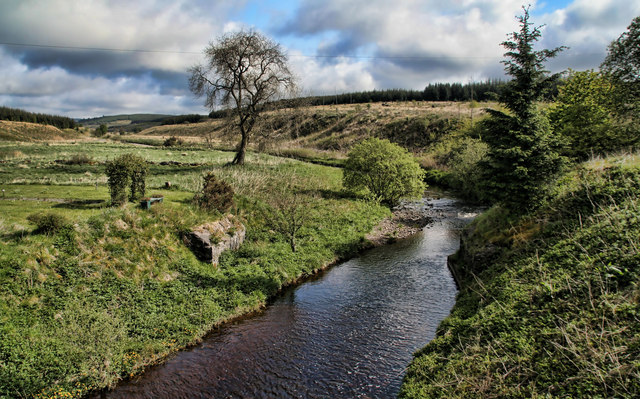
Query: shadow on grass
{"type": "Point", "coordinates": [82, 204]}
{"type": "Point", "coordinates": [329, 194]}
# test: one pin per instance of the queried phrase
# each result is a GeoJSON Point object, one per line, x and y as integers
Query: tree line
{"type": "Point", "coordinates": [18, 115]}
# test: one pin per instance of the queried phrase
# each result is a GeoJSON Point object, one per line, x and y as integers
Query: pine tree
{"type": "Point", "coordinates": [522, 155]}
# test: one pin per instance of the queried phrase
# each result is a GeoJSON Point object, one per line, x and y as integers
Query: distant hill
{"type": "Point", "coordinates": [26, 131]}
{"type": "Point", "coordinates": [129, 122]}
{"type": "Point", "coordinates": [132, 118]}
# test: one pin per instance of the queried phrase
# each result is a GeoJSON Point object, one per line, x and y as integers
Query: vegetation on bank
{"type": "Point", "coordinates": [107, 291]}
{"type": "Point", "coordinates": [548, 304]}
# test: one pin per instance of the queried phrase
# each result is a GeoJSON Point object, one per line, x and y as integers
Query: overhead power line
{"type": "Point", "coordinates": [97, 48]}
{"type": "Point", "coordinates": [363, 57]}
{"type": "Point", "coordinates": [372, 57]}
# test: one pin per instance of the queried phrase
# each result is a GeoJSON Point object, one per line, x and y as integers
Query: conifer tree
{"type": "Point", "coordinates": [522, 155]}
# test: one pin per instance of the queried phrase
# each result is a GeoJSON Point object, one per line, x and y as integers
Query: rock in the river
{"type": "Point", "coordinates": [209, 240]}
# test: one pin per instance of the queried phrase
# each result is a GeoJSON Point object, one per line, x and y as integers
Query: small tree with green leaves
{"type": "Point", "coordinates": [288, 211]}
{"type": "Point", "coordinates": [128, 170]}
{"type": "Point", "coordinates": [583, 115]}
{"type": "Point", "coordinates": [522, 153]}
{"type": "Point", "coordinates": [385, 170]}
{"type": "Point", "coordinates": [101, 130]}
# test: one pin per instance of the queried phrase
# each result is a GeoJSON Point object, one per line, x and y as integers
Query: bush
{"type": "Point", "coordinates": [173, 141]}
{"type": "Point", "coordinates": [126, 170]}
{"type": "Point", "coordinates": [584, 116]}
{"type": "Point", "coordinates": [385, 170]}
{"type": "Point", "coordinates": [48, 223]}
{"type": "Point", "coordinates": [80, 159]}
{"type": "Point", "coordinates": [216, 194]}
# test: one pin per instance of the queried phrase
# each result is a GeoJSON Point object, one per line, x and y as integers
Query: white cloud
{"type": "Point", "coordinates": [403, 44]}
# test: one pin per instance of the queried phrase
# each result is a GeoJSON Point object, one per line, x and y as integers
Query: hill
{"type": "Point", "coordinates": [25, 131]}
{"type": "Point", "coordinates": [125, 122]}
{"type": "Point", "coordinates": [331, 130]}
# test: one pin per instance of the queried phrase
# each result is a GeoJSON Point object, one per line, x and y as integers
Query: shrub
{"type": "Point", "coordinates": [100, 130]}
{"type": "Point", "coordinates": [584, 116]}
{"type": "Point", "coordinates": [48, 223]}
{"type": "Point", "coordinates": [80, 159]}
{"type": "Point", "coordinates": [173, 141]}
{"type": "Point", "coordinates": [387, 171]}
{"type": "Point", "coordinates": [126, 170]}
{"type": "Point", "coordinates": [216, 194]}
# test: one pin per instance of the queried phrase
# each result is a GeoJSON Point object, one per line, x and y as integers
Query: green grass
{"type": "Point", "coordinates": [549, 304]}
{"type": "Point", "coordinates": [99, 301]}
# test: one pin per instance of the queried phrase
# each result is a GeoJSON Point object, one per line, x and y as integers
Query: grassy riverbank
{"type": "Point", "coordinates": [549, 303]}
{"type": "Point", "coordinates": [117, 289]}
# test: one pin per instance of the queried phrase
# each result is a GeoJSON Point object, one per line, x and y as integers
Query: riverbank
{"type": "Point", "coordinates": [548, 303]}
{"type": "Point", "coordinates": [346, 332]}
{"type": "Point", "coordinates": [404, 222]}
{"type": "Point", "coordinates": [113, 290]}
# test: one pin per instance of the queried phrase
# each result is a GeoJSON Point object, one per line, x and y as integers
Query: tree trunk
{"type": "Point", "coordinates": [242, 149]}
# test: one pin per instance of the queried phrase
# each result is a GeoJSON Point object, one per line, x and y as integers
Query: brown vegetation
{"type": "Point", "coordinates": [25, 131]}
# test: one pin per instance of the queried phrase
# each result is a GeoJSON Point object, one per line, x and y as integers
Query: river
{"type": "Point", "coordinates": [348, 333]}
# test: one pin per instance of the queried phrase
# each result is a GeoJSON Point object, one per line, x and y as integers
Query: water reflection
{"type": "Point", "coordinates": [348, 334]}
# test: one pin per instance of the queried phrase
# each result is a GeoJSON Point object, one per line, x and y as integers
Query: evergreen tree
{"type": "Point", "coordinates": [522, 155]}
{"type": "Point", "coordinates": [623, 66]}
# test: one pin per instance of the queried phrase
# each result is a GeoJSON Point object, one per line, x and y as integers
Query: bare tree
{"type": "Point", "coordinates": [244, 70]}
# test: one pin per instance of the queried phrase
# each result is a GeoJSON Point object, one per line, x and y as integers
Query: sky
{"type": "Point", "coordinates": [88, 58]}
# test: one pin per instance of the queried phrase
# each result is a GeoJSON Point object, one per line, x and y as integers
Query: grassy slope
{"type": "Point", "coordinates": [336, 128]}
{"type": "Point", "coordinates": [553, 310]}
{"type": "Point", "coordinates": [29, 132]}
{"type": "Point", "coordinates": [89, 305]}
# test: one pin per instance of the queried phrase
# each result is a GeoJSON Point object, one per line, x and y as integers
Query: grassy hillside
{"type": "Point", "coordinates": [125, 122]}
{"type": "Point", "coordinates": [549, 304]}
{"type": "Point", "coordinates": [132, 118]}
{"type": "Point", "coordinates": [116, 289]}
{"type": "Point", "coordinates": [335, 128]}
{"type": "Point", "coordinates": [31, 132]}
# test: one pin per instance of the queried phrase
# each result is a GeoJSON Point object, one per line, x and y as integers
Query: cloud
{"type": "Point", "coordinates": [412, 44]}
{"type": "Point", "coordinates": [335, 45]}
{"type": "Point", "coordinates": [416, 42]}
{"type": "Point", "coordinates": [173, 33]}
{"type": "Point", "coordinates": [587, 28]}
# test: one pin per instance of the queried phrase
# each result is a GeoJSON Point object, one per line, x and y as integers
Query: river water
{"type": "Point", "coordinates": [349, 333]}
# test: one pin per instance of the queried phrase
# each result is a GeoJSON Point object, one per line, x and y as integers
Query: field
{"type": "Point", "coordinates": [116, 289]}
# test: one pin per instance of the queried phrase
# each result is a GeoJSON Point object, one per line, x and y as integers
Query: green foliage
{"type": "Point", "coordinates": [583, 116]}
{"type": "Point", "coordinates": [48, 222]}
{"type": "Point", "coordinates": [623, 65]}
{"type": "Point", "coordinates": [127, 170]}
{"type": "Point", "coordinates": [387, 171]}
{"type": "Point", "coordinates": [100, 130]}
{"type": "Point", "coordinates": [522, 155]}
{"type": "Point", "coordinates": [526, 66]}
{"type": "Point", "coordinates": [215, 195]}
{"type": "Point", "coordinates": [520, 162]}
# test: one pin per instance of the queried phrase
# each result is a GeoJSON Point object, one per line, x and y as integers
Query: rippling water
{"type": "Point", "coordinates": [348, 334]}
